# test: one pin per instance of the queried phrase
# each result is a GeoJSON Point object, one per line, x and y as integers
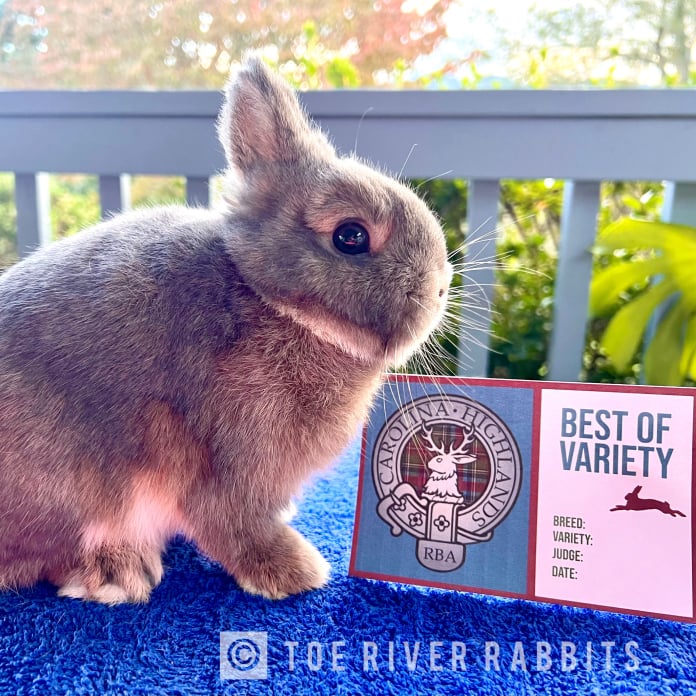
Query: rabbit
{"type": "Point", "coordinates": [633, 502]}
{"type": "Point", "coordinates": [184, 371]}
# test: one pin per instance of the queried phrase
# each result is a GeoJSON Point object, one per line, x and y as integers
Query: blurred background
{"type": "Point", "coordinates": [186, 44]}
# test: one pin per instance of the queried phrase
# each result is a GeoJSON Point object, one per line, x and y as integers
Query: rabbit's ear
{"type": "Point", "coordinates": [637, 490]}
{"type": "Point", "coordinates": [262, 121]}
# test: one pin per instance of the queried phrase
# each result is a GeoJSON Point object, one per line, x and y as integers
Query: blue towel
{"type": "Point", "coordinates": [353, 637]}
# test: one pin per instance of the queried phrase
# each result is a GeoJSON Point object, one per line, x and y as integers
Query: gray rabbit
{"type": "Point", "coordinates": [178, 370]}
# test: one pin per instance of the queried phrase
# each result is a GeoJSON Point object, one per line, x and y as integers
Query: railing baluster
{"type": "Point", "coordinates": [680, 203]}
{"type": "Point", "coordinates": [33, 203]}
{"type": "Point", "coordinates": [679, 207]}
{"type": "Point", "coordinates": [110, 195]}
{"type": "Point", "coordinates": [198, 191]}
{"type": "Point", "coordinates": [482, 221]}
{"type": "Point", "coordinates": [578, 232]}
{"type": "Point", "coordinates": [125, 191]}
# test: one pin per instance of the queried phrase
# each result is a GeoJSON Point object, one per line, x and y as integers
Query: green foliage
{"type": "Point", "coordinates": [606, 44]}
{"type": "Point", "coordinates": [657, 262]}
{"type": "Point", "coordinates": [448, 199]}
{"type": "Point", "coordinates": [522, 308]}
{"type": "Point", "coordinates": [524, 267]}
{"type": "Point", "coordinates": [8, 222]}
{"type": "Point", "coordinates": [525, 274]}
{"type": "Point", "coordinates": [618, 199]}
{"type": "Point", "coordinates": [74, 204]}
{"type": "Point", "coordinates": [622, 336]}
{"type": "Point", "coordinates": [157, 190]}
{"type": "Point", "coordinates": [314, 65]}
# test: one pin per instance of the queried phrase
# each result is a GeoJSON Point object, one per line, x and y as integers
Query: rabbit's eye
{"type": "Point", "coordinates": [351, 238]}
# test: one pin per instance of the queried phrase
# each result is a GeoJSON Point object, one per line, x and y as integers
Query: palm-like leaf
{"type": "Point", "coordinates": [669, 262]}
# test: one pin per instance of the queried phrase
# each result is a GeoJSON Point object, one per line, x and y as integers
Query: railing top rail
{"type": "Point", "coordinates": [460, 104]}
{"type": "Point", "coordinates": [525, 134]}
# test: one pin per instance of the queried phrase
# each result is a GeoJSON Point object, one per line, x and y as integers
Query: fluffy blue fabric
{"type": "Point", "coordinates": [172, 645]}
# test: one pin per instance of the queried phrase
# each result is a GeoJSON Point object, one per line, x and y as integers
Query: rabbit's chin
{"type": "Point", "coordinates": [398, 354]}
{"type": "Point", "coordinates": [362, 344]}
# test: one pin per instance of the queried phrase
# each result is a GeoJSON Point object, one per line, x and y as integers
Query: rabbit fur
{"type": "Point", "coordinates": [179, 370]}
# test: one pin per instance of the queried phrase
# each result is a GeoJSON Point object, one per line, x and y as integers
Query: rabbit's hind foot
{"type": "Point", "coordinates": [114, 575]}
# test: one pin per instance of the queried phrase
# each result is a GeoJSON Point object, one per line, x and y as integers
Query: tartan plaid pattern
{"type": "Point", "coordinates": [472, 479]}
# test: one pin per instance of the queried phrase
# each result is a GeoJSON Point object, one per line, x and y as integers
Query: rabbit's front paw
{"type": "Point", "coordinates": [288, 566]}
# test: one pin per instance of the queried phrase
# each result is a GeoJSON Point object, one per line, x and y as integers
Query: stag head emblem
{"type": "Point", "coordinates": [441, 485]}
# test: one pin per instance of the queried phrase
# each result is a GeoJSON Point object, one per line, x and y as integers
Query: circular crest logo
{"type": "Point", "coordinates": [447, 471]}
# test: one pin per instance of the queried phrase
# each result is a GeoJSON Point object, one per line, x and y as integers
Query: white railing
{"type": "Point", "coordinates": [582, 137]}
